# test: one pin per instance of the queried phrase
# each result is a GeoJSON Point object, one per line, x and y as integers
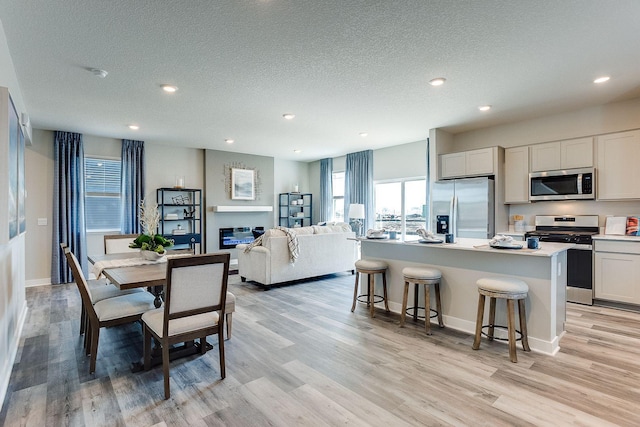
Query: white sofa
{"type": "Point", "coordinates": [322, 250]}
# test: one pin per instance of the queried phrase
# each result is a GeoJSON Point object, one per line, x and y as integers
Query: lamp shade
{"type": "Point", "coordinates": [356, 211]}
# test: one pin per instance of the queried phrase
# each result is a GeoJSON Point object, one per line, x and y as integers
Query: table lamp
{"type": "Point", "coordinates": [356, 213]}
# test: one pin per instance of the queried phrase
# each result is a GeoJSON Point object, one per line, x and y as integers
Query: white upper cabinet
{"type": "Point", "coordinates": [576, 153]}
{"type": "Point", "coordinates": [468, 163]}
{"type": "Point", "coordinates": [516, 175]}
{"type": "Point", "coordinates": [570, 154]}
{"type": "Point", "coordinates": [617, 174]}
{"type": "Point", "coordinates": [452, 165]}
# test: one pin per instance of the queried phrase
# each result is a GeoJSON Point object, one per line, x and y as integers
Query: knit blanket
{"type": "Point", "coordinates": [292, 243]}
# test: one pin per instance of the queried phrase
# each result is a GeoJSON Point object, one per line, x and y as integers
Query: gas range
{"type": "Point", "coordinates": [565, 228]}
{"type": "Point", "coordinates": [578, 230]}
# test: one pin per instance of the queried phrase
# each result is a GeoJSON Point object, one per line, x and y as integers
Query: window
{"type": "Point", "coordinates": [401, 206]}
{"type": "Point", "coordinates": [337, 184]}
{"type": "Point", "coordinates": [102, 194]}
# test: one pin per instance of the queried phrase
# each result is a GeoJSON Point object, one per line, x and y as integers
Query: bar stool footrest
{"type": "Point", "coordinates": [433, 313]}
{"type": "Point", "coordinates": [364, 298]}
{"type": "Point", "coordinates": [502, 327]}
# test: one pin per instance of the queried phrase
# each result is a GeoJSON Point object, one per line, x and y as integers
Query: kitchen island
{"type": "Point", "coordinates": [464, 262]}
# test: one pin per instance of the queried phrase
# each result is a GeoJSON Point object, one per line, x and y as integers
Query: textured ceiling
{"type": "Point", "coordinates": [342, 66]}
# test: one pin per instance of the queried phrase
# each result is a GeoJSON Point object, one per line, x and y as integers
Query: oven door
{"type": "Point", "coordinates": [579, 275]}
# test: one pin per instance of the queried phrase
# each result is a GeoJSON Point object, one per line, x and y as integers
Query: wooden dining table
{"type": "Point", "coordinates": [153, 277]}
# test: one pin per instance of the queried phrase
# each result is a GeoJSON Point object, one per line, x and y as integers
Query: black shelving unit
{"type": "Point", "coordinates": [181, 209]}
{"type": "Point", "coordinates": [295, 210]}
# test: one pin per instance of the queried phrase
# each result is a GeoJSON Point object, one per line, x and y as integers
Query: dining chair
{"type": "Point", "coordinates": [100, 289]}
{"type": "Point", "coordinates": [194, 308]}
{"type": "Point", "coordinates": [118, 243]}
{"type": "Point", "coordinates": [113, 311]}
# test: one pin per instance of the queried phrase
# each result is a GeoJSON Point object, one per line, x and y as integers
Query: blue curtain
{"type": "Point", "coordinates": [358, 185]}
{"type": "Point", "coordinates": [131, 185]}
{"type": "Point", "coordinates": [326, 190]}
{"type": "Point", "coordinates": [68, 205]}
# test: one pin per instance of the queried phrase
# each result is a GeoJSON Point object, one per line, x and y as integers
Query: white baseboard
{"type": "Point", "coordinates": [37, 282]}
{"type": "Point", "coordinates": [5, 372]}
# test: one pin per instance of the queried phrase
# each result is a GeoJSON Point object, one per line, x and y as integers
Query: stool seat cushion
{"type": "Point", "coordinates": [507, 285]}
{"type": "Point", "coordinates": [421, 273]}
{"type": "Point", "coordinates": [370, 264]}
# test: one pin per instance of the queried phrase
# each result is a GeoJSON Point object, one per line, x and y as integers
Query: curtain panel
{"type": "Point", "coordinates": [358, 185]}
{"type": "Point", "coordinates": [326, 190]}
{"type": "Point", "coordinates": [68, 205]}
{"type": "Point", "coordinates": [132, 186]}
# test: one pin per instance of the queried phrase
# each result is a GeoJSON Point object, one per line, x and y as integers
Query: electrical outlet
{"type": "Point", "coordinates": [42, 221]}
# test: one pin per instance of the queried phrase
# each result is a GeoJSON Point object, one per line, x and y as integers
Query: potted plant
{"type": "Point", "coordinates": [152, 246]}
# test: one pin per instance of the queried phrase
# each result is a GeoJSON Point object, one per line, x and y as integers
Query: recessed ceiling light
{"type": "Point", "coordinates": [484, 107]}
{"type": "Point", "coordinates": [288, 116]}
{"type": "Point", "coordinates": [134, 127]}
{"type": "Point", "coordinates": [297, 151]}
{"type": "Point", "coordinates": [438, 81]}
{"type": "Point", "coordinates": [229, 141]}
{"type": "Point", "coordinates": [99, 73]}
{"type": "Point", "coordinates": [602, 79]}
{"type": "Point", "coordinates": [169, 88]}
{"type": "Point", "coordinates": [364, 134]}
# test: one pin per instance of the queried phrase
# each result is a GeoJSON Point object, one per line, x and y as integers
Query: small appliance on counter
{"type": "Point", "coordinates": [572, 229]}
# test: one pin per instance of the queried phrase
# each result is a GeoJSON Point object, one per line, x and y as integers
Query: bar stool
{"type": "Point", "coordinates": [509, 289]}
{"type": "Point", "coordinates": [371, 267]}
{"type": "Point", "coordinates": [427, 277]}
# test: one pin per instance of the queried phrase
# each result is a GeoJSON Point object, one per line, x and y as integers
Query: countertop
{"type": "Point", "coordinates": [547, 249]}
{"type": "Point", "coordinates": [616, 237]}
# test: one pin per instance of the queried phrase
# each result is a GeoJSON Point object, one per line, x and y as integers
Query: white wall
{"type": "Point", "coordinates": [13, 306]}
{"type": "Point", "coordinates": [608, 118]}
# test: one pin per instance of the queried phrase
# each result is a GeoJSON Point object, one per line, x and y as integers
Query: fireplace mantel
{"type": "Point", "coordinates": [241, 208]}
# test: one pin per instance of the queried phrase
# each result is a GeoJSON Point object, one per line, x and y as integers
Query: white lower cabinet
{"type": "Point", "coordinates": [616, 274]}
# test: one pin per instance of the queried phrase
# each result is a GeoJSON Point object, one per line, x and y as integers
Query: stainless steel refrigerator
{"type": "Point", "coordinates": [466, 204]}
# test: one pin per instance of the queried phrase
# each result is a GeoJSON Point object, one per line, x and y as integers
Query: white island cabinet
{"type": "Point", "coordinates": [616, 268]}
{"type": "Point", "coordinates": [467, 260]}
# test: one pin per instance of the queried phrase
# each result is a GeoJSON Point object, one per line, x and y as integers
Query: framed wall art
{"type": "Point", "coordinates": [243, 184]}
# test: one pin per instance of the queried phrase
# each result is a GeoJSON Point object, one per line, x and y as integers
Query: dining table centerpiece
{"type": "Point", "coordinates": [152, 245]}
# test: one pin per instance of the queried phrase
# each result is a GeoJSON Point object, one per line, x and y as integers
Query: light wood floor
{"type": "Point", "coordinates": [298, 356]}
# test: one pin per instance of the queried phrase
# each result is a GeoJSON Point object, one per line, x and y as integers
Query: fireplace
{"type": "Point", "coordinates": [230, 237]}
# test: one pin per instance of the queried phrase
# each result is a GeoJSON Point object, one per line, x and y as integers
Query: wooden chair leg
{"type": "Point", "coordinates": [511, 326]}
{"type": "Point", "coordinates": [355, 293]}
{"type": "Point", "coordinates": [403, 313]}
{"type": "Point", "coordinates": [83, 314]}
{"type": "Point", "coordinates": [523, 325]}
{"type": "Point", "coordinates": [439, 305]}
{"type": "Point", "coordinates": [492, 318]}
{"type": "Point", "coordinates": [479, 319]}
{"type": "Point", "coordinates": [372, 287]}
{"type": "Point", "coordinates": [223, 371]}
{"type": "Point", "coordinates": [384, 290]}
{"type": "Point", "coordinates": [228, 320]}
{"type": "Point", "coordinates": [427, 309]}
{"type": "Point", "coordinates": [95, 336]}
{"type": "Point", "coordinates": [415, 301]}
{"type": "Point", "coordinates": [165, 367]}
{"type": "Point", "coordinates": [203, 345]}
{"type": "Point", "coordinates": [87, 339]}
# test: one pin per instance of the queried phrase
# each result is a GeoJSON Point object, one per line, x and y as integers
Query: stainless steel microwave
{"type": "Point", "coordinates": [569, 184]}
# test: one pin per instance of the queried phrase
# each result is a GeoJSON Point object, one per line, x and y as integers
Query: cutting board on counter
{"type": "Point", "coordinates": [616, 225]}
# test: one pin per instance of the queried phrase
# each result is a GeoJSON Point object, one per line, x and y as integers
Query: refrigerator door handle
{"type": "Point", "coordinates": [454, 229]}
{"type": "Point", "coordinates": [452, 212]}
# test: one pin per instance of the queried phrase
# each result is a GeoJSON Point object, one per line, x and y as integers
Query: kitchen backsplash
{"type": "Point", "coordinates": [590, 207]}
